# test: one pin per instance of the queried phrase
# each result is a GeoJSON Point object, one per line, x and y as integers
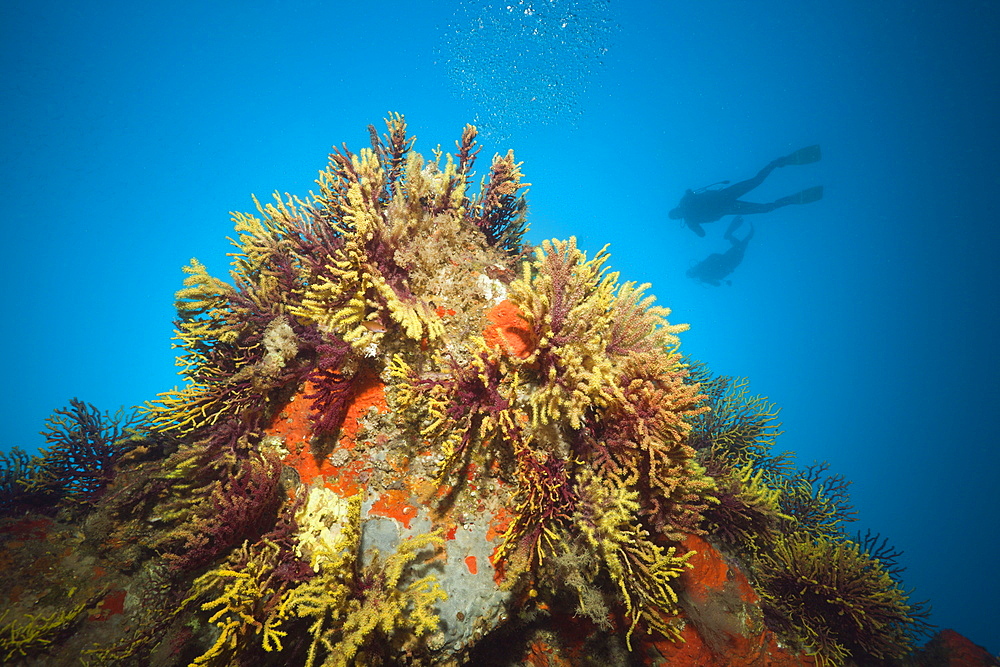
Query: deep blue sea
{"type": "Point", "coordinates": [130, 131]}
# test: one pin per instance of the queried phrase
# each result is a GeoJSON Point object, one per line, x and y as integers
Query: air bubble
{"type": "Point", "coordinates": [526, 64]}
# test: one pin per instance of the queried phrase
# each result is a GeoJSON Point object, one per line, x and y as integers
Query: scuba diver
{"type": "Point", "coordinates": [713, 269]}
{"type": "Point", "coordinates": [707, 205]}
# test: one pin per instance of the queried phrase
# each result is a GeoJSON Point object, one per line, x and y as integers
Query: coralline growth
{"type": "Point", "coordinates": [407, 437]}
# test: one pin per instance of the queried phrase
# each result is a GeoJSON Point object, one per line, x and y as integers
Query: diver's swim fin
{"type": "Point", "coordinates": [808, 196]}
{"type": "Point", "coordinates": [806, 155]}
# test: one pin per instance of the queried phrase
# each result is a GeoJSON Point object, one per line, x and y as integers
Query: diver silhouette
{"type": "Point", "coordinates": [707, 205]}
{"type": "Point", "coordinates": [713, 269]}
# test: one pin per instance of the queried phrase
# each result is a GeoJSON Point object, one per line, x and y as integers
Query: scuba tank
{"type": "Point", "coordinates": [700, 190]}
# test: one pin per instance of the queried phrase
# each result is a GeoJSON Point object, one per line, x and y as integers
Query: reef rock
{"type": "Point", "coordinates": [406, 437]}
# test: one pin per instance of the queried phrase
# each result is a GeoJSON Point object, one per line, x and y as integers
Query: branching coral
{"type": "Point", "coordinates": [206, 325]}
{"type": "Point", "coordinates": [819, 503]}
{"type": "Point", "coordinates": [603, 360]}
{"type": "Point", "coordinates": [337, 270]}
{"type": "Point", "coordinates": [252, 587]}
{"type": "Point", "coordinates": [25, 638]}
{"type": "Point", "coordinates": [641, 441]}
{"type": "Point", "coordinates": [878, 548]}
{"type": "Point", "coordinates": [640, 569]}
{"type": "Point", "coordinates": [265, 589]}
{"type": "Point", "coordinates": [236, 612]}
{"type": "Point", "coordinates": [318, 287]}
{"type": "Point", "coordinates": [840, 600]}
{"type": "Point", "coordinates": [747, 511]}
{"type": "Point", "coordinates": [460, 404]}
{"type": "Point", "coordinates": [385, 613]}
{"type": "Point", "coordinates": [837, 595]}
{"type": "Point", "coordinates": [567, 300]}
{"type": "Point", "coordinates": [500, 211]}
{"type": "Point", "coordinates": [238, 342]}
{"type": "Point", "coordinates": [605, 364]}
{"type": "Point", "coordinates": [382, 204]}
{"type": "Point", "coordinates": [374, 201]}
{"type": "Point", "coordinates": [544, 506]}
{"type": "Point", "coordinates": [332, 392]}
{"type": "Point", "coordinates": [590, 425]}
{"type": "Point", "coordinates": [83, 448]}
{"type": "Point", "coordinates": [233, 506]}
{"type": "Point", "coordinates": [734, 439]}
{"type": "Point", "coordinates": [593, 339]}
{"type": "Point", "coordinates": [17, 469]}
{"type": "Point", "coordinates": [739, 427]}
{"type": "Point", "coordinates": [347, 605]}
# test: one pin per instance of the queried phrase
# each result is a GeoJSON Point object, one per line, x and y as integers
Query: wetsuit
{"type": "Point", "coordinates": [709, 205]}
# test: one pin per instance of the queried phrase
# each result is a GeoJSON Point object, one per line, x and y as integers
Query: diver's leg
{"type": "Point", "coordinates": [749, 207]}
{"type": "Point", "coordinates": [737, 190]}
{"type": "Point", "coordinates": [807, 196]}
{"type": "Point", "coordinates": [733, 226]}
{"type": "Point", "coordinates": [742, 245]}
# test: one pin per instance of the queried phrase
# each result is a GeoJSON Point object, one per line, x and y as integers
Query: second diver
{"type": "Point", "coordinates": [708, 205]}
{"type": "Point", "coordinates": [714, 269]}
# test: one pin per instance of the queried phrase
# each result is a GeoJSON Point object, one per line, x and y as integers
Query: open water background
{"type": "Point", "coordinates": [130, 130]}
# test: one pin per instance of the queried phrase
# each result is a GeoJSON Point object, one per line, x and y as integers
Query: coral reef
{"type": "Point", "coordinates": [17, 467]}
{"type": "Point", "coordinates": [84, 446]}
{"type": "Point", "coordinates": [406, 437]}
{"type": "Point", "coordinates": [838, 598]}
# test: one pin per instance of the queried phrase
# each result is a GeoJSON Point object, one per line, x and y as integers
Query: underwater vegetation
{"type": "Point", "coordinates": [84, 446]}
{"type": "Point", "coordinates": [407, 437]}
{"type": "Point", "coordinates": [840, 597]}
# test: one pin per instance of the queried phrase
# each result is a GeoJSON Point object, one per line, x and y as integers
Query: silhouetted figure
{"type": "Point", "coordinates": [713, 269]}
{"type": "Point", "coordinates": [708, 205]}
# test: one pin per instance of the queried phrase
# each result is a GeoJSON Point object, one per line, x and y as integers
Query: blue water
{"type": "Point", "coordinates": [130, 130]}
